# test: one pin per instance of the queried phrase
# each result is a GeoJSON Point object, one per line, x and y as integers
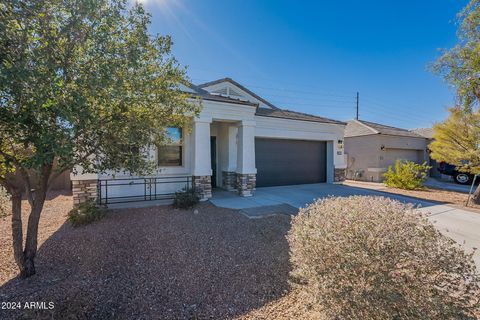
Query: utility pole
{"type": "Point", "coordinates": [358, 100]}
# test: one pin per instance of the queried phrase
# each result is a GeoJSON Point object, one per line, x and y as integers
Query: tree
{"type": "Point", "coordinates": [82, 84]}
{"type": "Point", "coordinates": [457, 139]}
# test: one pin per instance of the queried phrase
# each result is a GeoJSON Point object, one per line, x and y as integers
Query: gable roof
{"type": "Point", "coordinates": [357, 128]}
{"type": "Point", "coordinates": [273, 111]}
{"type": "Point", "coordinates": [293, 115]}
{"type": "Point", "coordinates": [235, 83]}
{"type": "Point", "coordinates": [204, 94]}
{"type": "Point", "coordinates": [424, 132]}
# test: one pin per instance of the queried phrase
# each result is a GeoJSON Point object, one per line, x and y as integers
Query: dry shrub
{"type": "Point", "coordinates": [376, 258]}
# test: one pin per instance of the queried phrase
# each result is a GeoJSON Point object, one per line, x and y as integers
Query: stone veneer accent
{"type": "Point", "coordinates": [229, 180]}
{"type": "Point", "coordinates": [339, 175]}
{"type": "Point", "coordinates": [84, 190]}
{"type": "Point", "coordinates": [246, 184]}
{"type": "Point", "coordinates": [203, 187]}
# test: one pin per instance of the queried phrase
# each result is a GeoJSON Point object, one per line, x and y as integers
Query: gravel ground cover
{"type": "Point", "coordinates": [154, 263]}
{"type": "Point", "coordinates": [456, 199]}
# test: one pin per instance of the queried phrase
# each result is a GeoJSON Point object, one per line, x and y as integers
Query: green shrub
{"type": "Point", "coordinates": [376, 258]}
{"type": "Point", "coordinates": [185, 199]}
{"type": "Point", "coordinates": [5, 203]}
{"type": "Point", "coordinates": [407, 175]}
{"type": "Point", "coordinates": [85, 213]}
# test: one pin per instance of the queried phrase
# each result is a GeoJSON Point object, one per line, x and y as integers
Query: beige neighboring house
{"type": "Point", "coordinates": [427, 133]}
{"type": "Point", "coordinates": [371, 148]}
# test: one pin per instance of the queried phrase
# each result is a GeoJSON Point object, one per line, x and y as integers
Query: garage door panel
{"type": "Point", "coordinates": [287, 162]}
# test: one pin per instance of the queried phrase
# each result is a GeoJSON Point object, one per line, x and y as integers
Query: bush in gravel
{"type": "Point", "coordinates": [375, 258]}
{"type": "Point", "coordinates": [5, 203]}
{"type": "Point", "coordinates": [185, 199]}
{"type": "Point", "coordinates": [85, 213]}
{"type": "Point", "coordinates": [407, 175]}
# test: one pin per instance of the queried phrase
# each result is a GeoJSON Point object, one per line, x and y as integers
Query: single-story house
{"type": "Point", "coordinates": [371, 148]}
{"type": "Point", "coordinates": [239, 142]}
{"type": "Point", "coordinates": [427, 133]}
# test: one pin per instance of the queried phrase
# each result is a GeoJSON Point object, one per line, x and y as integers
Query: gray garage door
{"type": "Point", "coordinates": [285, 162]}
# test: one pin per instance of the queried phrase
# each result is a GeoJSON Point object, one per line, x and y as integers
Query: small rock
{"type": "Point", "coordinates": [195, 211]}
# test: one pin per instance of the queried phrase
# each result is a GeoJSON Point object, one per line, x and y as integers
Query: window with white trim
{"type": "Point", "coordinates": [171, 154]}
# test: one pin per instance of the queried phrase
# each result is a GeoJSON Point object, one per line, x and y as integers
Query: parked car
{"type": "Point", "coordinates": [458, 177]}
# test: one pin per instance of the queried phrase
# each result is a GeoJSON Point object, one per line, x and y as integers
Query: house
{"type": "Point", "coordinates": [427, 133]}
{"type": "Point", "coordinates": [371, 148]}
{"type": "Point", "coordinates": [239, 141]}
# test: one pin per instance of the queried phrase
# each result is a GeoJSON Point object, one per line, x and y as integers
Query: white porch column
{"type": "Point", "coordinates": [202, 165]}
{"type": "Point", "coordinates": [246, 171]}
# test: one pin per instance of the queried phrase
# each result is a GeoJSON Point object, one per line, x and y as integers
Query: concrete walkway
{"type": "Point", "coordinates": [461, 225]}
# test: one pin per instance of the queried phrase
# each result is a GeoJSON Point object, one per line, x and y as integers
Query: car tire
{"type": "Point", "coordinates": [462, 178]}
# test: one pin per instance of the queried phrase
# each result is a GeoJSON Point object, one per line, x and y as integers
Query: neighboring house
{"type": "Point", "coordinates": [371, 148]}
{"type": "Point", "coordinates": [427, 133]}
{"type": "Point", "coordinates": [239, 142]}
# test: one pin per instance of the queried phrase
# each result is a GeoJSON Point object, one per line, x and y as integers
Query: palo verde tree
{"type": "Point", "coordinates": [82, 84]}
{"type": "Point", "coordinates": [457, 139]}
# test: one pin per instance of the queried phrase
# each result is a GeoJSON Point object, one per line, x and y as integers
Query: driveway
{"type": "Point", "coordinates": [446, 185]}
{"type": "Point", "coordinates": [461, 225]}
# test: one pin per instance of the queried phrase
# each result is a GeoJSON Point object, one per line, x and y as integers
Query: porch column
{"type": "Point", "coordinates": [202, 165]}
{"type": "Point", "coordinates": [246, 171]}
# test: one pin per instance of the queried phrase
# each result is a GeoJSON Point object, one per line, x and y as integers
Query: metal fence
{"type": "Point", "coordinates": [123, 190]}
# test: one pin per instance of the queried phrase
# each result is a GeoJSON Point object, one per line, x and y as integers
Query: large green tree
{"type": "Point", "coordinates": [457, 139]}
{"type": "Point", "coordinates": [82, 83]}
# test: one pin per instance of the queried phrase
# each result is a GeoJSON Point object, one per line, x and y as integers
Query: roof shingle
{"type": "Point", "coordinates": [357, 128]}
{"type": "Point", "coordinates": [293, 115]}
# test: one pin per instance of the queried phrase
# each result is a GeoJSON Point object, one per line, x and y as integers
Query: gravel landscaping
{"type": "Point", "coordinates": [456, 199]}
{"type": "Point", "coordinates": [154, 263]}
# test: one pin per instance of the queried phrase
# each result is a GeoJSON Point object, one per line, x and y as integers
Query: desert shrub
{"type": "Point", "coordinates": [187, 198]}
{"type": "Point", "coordinates": [406, 175]}
{"type": "Point", "coordinates": [5, 203]}
{"type": "Point", "coordinates": [85, 213]}
{"type": "Point", "coordinates": [376, 258]}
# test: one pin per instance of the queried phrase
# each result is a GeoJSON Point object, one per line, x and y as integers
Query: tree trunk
{"type": "Point", "coordinates": [32, 233]}
{"type": "Point", "coordinates": [476, 195]}
{"type": "Point", "coordinates": [17, 228]}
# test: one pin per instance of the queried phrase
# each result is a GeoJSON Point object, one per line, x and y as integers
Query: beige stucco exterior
{"type": "Point", "coordinates": [369, 156]}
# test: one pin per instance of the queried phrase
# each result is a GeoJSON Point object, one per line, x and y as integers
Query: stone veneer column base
{"type": "Point", "coordinates": [84, 190]}
{"type": "Point", "coordinates": [229, 180]}
{"type": "Point", "coordinates": [203, 187]}
{"type": "Point", "coordinates": [339, 175]}
{"type": "Point", "coordinates": [246, 184]}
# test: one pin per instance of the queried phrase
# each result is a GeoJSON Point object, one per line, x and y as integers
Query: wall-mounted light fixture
{"type": "Point", "coordinates": [340, 144]}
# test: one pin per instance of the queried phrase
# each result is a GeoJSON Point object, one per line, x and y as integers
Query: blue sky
{"type": "Point", "coordinates": [313, 56]}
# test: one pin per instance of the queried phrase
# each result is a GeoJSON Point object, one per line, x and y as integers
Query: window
{"type": "Point", "coordinates": [170, 154]}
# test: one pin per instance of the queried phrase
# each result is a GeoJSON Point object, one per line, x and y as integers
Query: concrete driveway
{"type": "Point", "coordinates": [461, 225]}
{"type": "Point", "coordinates": [447, 185]}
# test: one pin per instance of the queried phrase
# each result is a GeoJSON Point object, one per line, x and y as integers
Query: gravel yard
{"type": "Point", "coordinates": [154, 263]}
{"type": "Point", "coordinates": [456, 199]}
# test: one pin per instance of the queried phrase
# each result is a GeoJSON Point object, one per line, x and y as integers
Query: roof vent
{"type": "Point", "coordinates": [222, 91]}
{"type": "Point", "coordinates": [234, 93]}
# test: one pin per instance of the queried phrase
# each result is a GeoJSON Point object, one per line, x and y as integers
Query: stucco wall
{"type": "Point", "coordinates": [370, 156]}
{"type": "Point", "coordinates": [362, 155]}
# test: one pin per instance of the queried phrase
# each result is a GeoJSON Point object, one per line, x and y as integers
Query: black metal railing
{"type": "Point", "coordinates": [110, 191]}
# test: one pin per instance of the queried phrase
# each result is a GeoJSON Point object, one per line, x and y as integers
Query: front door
{"type": "Point", "coordinates": [213, 157]}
